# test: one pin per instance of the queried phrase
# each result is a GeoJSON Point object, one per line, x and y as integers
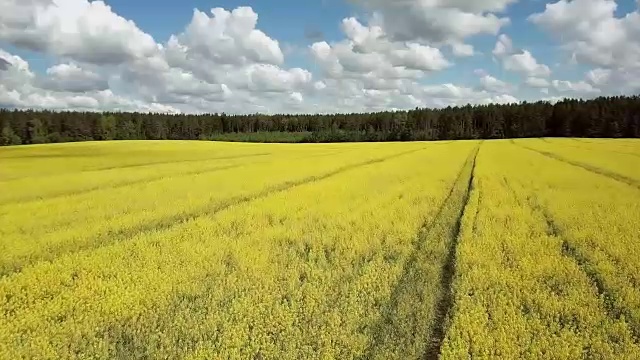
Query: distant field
{"type": "Point", "coordinates": [514, 249]}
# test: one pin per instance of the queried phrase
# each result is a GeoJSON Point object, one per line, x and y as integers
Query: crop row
{"type": "Point", "coordinates": [45, 229]}
{"type": "Point", "coordinates": [520, 249]}
{"type": "Point", "coordinates": [536, 276]}
{"type": "Point", "coordinates": [308, 271]}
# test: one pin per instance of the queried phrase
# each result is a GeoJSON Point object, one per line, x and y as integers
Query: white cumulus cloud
{"type": "Point", "coordinates": [492, 84]}
{"type": "Point", "coordinates": [79, 29]}
{"type": "Point", "coordinates": [438, 21]}
{"type": "Point", "coordinates": [73, 78]}
{"type": "Point", "coordinates": [393, 55]}
{"type": "Point", "coordinates": [537, 82]}
{"type": "Point", "coordinates": [519, 61]}
{"type": "Point", "coordinates": [594, 34]}
{"type": "Point", "coordinates": [577, 87]}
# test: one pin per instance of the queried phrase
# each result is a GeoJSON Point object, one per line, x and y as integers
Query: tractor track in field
{"type": "Point", "coordinates": [111, 237]}
{"type": "Point", "coordinates": [573, 255]}
{"type": "Point", "coordinates": [119, 331]}
{"type": "Point", "coordinates": [596, 170]}
{"type": "Point", "coordinates": [569, 251]}
{"type": "Point", "coordinates": [407, 314]}
{"type": "Point", "coordinates": [595, 141]}
{"type": "Point", "coordinates": [80, 171]}
{"type": "Point", "coordinates": [581, 147]}
{"type": "Point", "coordinates": [445, 303]}
{"type": "Point", "coordinates": [142, 181]}
{"type": "Point", "coordinates": [230, 157]}
{"type": "Point", "coordinates": [123, 184]}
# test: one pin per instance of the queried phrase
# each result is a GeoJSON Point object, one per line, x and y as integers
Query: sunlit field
{"type": "Point", "coordinates": [514, 249]}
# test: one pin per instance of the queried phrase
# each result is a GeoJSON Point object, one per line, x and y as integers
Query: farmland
{"type": "Point", "coordinates": [200, 250]}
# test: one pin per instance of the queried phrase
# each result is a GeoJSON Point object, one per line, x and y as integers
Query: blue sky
{"type": "Point", "coordinates": [286, 21]}
{"type": "Point", "coordinates": [291, 21]}
{"type": "Point", "coordinates": [313, 56]}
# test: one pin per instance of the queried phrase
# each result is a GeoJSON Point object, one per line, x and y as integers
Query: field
{"type": "Point", "coordinates": [514, 249]}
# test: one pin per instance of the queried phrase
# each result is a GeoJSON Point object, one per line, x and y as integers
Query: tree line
{"type": "Point", "coordinates": [610, 117]}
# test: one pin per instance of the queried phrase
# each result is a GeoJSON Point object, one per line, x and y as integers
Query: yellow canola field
{"type": "Point", "coordinates": [91, 218]}
{"type": "Point", "coordinates": [613, 158]}
{"type": "Point", "coordinates": [535, 277]}
{"type": "Point", "coordinates": [207, 250]}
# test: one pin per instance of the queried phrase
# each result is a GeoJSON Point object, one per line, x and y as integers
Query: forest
{"type": "Point", "coordinates": [606, 117]}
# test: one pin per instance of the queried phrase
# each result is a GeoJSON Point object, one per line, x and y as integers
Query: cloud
{"type": "Point", "coordinates": [367, 51]}
{"type": "Point", "coordinates": [17, 74]}
{"type": "Point", "coordinates": [591, 32]}
{"type": "Point", "coordinates": [72, 78]}
{"type": "Point", "coordinates": [85, 31]}
{"type": "Point", "coordinates": [270, 78]}
{"type": "Point", "coordinates": [210, 47]}
{"type": "Point", "coordinates": [504, 99]}
{"type": "Point", "coordinates": [599, 76]}
{"type": "Point", "coordinates": [580, 87]}
{"type": "Point", "coordinates": [537, 82]}
{"type": "Point", "coordinates": [437, 21]}
{"type": "Point", "coordinates": [21, 88]}
{"type": "Point", "coordinates": [222, 61]}
{"type": "Point", "coordinates": [519, 61]}
{"type": "Point", "coordinates": [179, 87]}
{"type": "Point", "coordinates": [492, 84]}
{"type": "Point", "coordinates": [348, 95]}
{"type": "Point", "coordinates": [419, 57]}
{"type": "Point", "coordinates": [371, 71]}
{"type": "Point", "coordinates": [319, 85]}
{"type": "Point", "coordinates": [593, 35]}
{"type": "Point", "coordinates": [296, 97]}
{"type": "Point", "coordinates": [526, 64]}
{"type": "Point", "coordinates": [450, 94]}
{"type": "Point", "coordinates": [553, 99]}
{"type": "Point", "coordinates": [227, 37]}
{"type": "Point", "coordinates": [462, 50]}
{"type": "Point", "coordinates": [504, 46]}
{"type": "Point", "coordinates": [4, 64]}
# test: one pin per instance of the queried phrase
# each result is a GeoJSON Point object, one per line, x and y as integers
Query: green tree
{"type": "Point", "coordinates": [8, 137]}
{"type": "Point", "coordinates": [105, 128]}
{"type": "Point", "coordinates": [35, 132]}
